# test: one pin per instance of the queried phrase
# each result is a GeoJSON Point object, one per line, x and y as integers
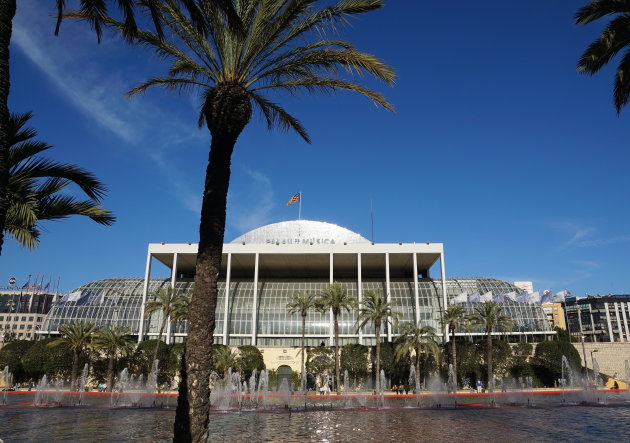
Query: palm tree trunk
{"type": "Point", "coordinates": [337, 375]}
{"type": "Point", "coordinates": [303, 375]}
{"type": "Point", "coordinates": [7, 12]}
{"type": "Point", "coordinates": [227, 110]}
{"type": "Point", "coordinates": [377, 329]}
{"type": "Point", "coordinates": [75, 369]}
{"type": "Point", "coordinates": [157, 345]}
{"type": "Point", "coordinates": [110, 373]}
{"type": "Point", "coordinates": [489, 359]}
{"type": "Point", "coordinates": [454, 357]}
{"type": "Point", "coordinates": [418, 373]}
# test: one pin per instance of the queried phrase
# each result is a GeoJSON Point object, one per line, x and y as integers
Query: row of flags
{"type": "Point", "coordinates": [37, 285]}
{"type": "Point", "coordinates": [523, 297]}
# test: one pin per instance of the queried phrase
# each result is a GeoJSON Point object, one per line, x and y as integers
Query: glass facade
{"type": "Point", "coordinates": [118, 301]}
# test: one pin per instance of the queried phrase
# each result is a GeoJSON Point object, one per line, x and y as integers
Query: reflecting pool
{"type": "Point", "coordinates": [517, 424]}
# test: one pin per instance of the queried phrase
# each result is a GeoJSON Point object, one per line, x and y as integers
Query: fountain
{"type": "Point", "coordinates": [412, 384]}
{"type": "Point", "coordinates": [152, 383]}
{"type": "Point", "coordinates": [7, 381]}
{"type": "Point", "coordinates": [82, 382]}
{"type": "Point", "coordinates": [381, 394]}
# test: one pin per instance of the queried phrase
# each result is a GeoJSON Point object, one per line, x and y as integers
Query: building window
{"type": "Point", "coordinates": [24, 318]}
{"type": "Point", "coordinates": [22, 326]}
{"type": "Point", "coordinates": [30, 318]}
{"type": "Point", "coordinates": [20, 334]}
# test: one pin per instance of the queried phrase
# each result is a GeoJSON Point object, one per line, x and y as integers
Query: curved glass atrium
{"type": "Point", "coordinates": [118, 301]}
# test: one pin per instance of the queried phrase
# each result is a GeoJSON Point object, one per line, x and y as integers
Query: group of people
{"type": "Point", "coordinates": [399, 389]}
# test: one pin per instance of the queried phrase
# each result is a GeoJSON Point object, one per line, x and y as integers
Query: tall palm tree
{"type": "Point", "coordinates": [114, 342]}
{"type": "Point", "coordinates": [375, 309]}
{"type": "Point", "coordinates": [335, 299]}
{"type": "Point", "coordinates": [301, 303]}
{"type": "Point", "coordinates": [488, 315]}
{"type": "Point", "coordinates": [614, 38]}
{"type": "Point", "coordinates": [173, 306]}
{"type": "Point", "coordinates": [77, 336]}
{"type": "Point", "coordinates": [282, 47]}
{"type": "Point", "coordinates": [35, 184]}
{"type": "Point", "coordinates": [452, 319]}
{"type": "Point", "coordinates": [416, 340]}
{"type": "Point", "coordinates": [94, 11]}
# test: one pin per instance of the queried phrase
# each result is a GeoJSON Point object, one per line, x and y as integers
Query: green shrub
{"type": "Point", "coordinates": [11, 356]}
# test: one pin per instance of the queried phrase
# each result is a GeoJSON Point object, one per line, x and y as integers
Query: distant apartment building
{"type": "Point", "coordinates": [22, 313]}
{"type": "Point", "coordinates": [600, 318]}
{"type": "Point", "coordinates": [555, 315]}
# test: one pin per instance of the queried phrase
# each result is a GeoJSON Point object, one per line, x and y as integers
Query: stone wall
{"type": "Point", "coordinates": [610, 356]}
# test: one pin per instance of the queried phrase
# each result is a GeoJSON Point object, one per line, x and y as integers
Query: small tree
{"type": "Point", "coordinates": [172, 304]}
{"type": "Point", "coordinates": [11, 355]}
{"type": "Point", "coordinates": [225, 358]}
{"type": "Point", "coordinates": [320, 360]}
{"type": "Point", "coordinates": [548, 360]}
{"type": "Point", "coordinates": [41, 359]}
{"type": "Point", "coordinates": [418, 341]}
{"type": "Point", "coordinates": [114, 342]}
{"type": "Point", "coordinates": [335, 298]}
{"type": "Point", "coordinates": [488, 315]}
{"type": "Point", "coordinates": [452, 319]}
{"type": "Point", "coordinates": [374, 308]}
{"type": "Point", "coordinates": [77, 336]}
{"type": "Point", "coordinates": [355, 359]}
{"type": "Point", "coordinates": [250, 358]}
{"type": "Point", "coordinates": [301, 303]}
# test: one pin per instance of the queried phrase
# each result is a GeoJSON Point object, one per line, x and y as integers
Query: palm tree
{"type": "Point", "coordinates": [374, 308]}
{"type": "Point", "coordinates": [225, 358]}
{"type": "Point", "coordinates": [488, 315]}
{"type": "Point", "coordinates": [94, 11]}
{"type": "Point", "coordinates": [416, 340]}
{"type": "Point", "coordinates": [281, 48]}
{"type": "Point", "coordinates": [335, 299]}
{"type": "Point", "coordinates": [115, 342]}
{"type": "Point", "coordinates": [452, 319]}
{"type": "Point", "coordinates": [614, 38]}
{"type": "Point", "coordinates": [77, 336]}
{"type": "Point", "coordinates": [35, 184]}
{"type": "Point", "coordinates": [172, 304]}
{"type": "Point", "coordinates": [301, 303]}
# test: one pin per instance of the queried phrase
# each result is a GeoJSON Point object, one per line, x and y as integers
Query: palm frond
{"type": "Point", "coordinates": [621, 91]}
{"type": "Point", "coordinates": [276, 116]}
{"type": "Point", "coordinates": [615, 37]}
{"type": "Point", "coordinates": [597, 9]}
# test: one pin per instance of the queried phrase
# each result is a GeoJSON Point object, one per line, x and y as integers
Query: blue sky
{"type": "Point", "coordinates": [498, 148]}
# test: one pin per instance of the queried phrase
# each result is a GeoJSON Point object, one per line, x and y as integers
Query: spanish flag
{"type": "Point", "coordinates": [294, 199]}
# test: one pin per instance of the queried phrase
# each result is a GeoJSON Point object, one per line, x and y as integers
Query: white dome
{"type": "Point", "coordinates": [300, 232]}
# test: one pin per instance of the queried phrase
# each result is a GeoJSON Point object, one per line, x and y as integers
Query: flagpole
{"type": "Point", "coordinates": [300, 208]}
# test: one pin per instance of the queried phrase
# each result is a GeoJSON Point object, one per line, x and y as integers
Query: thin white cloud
{"type": "Point", "coordinates": [604, 241]}
{"type": "Point", "coordinates": [251, 206]}
{"type": "Point", "coordinates": [82, 78]}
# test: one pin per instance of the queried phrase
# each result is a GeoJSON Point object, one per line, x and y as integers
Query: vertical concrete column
{"type": "Point", "coordinates": [387, 297]}
{"type": "Point", "coordinates": [226, 299]}
{"type": "Point", "coordinates": [416, 296]}
{"type": "Point", "coordinates": [255, 304]}
{"type": "Point", "coordinates": [359, 291]}
{"type": "Point", "coordinates": [610, 331]}
{"type": "Point", "coordinates": [173, 277]}
{"type": "Point", "coordinates": [444, 296]}
{"type": "Point", "coordinates": [624, 307]}
{"type": "Point", "coordinates": [145, 289]}
{"type": "Point", "coordinates": [621, 337]}
{"type": "Point", "coordinates": [331, 334]}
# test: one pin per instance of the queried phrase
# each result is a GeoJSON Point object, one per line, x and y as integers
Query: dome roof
{"type": "Point", "coordinates": [301, 232]}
